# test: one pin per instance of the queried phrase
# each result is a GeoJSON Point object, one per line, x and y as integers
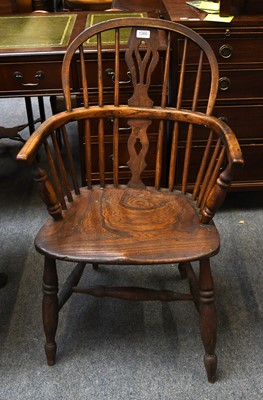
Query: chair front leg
{"type": "Point", "coordinates": [50, 308]}
{"type": "Point", "coordinates": [208, 321]}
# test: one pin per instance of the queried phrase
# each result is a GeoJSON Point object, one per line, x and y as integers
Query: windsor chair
{"type": "Point", "coordinates": [113, 221]}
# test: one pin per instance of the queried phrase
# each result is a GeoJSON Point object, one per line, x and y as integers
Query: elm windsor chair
{"type": "Point", "coordinates": [128, 222]}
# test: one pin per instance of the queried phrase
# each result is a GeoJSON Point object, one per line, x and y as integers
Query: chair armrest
{"type": "Point", "coordinates": [29, 151]}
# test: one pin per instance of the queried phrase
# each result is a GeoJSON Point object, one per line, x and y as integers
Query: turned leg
{"type": "Point", "coordinates": [208, 323]}
{"type": "Point", "coordinates": [183, 269]}
{"type": "Point", "coordinates": [50, 308]}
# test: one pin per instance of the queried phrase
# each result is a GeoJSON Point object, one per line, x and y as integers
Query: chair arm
{"type": "Point", "coordinates": [29, 150]}
{"type": "Point", "coordinates": [235, 161]}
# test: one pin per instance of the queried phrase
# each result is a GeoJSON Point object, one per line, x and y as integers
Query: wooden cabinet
{"type": "Point", "coordinates": [241, 93]}
{"type": "Point", "coordinates": [25, 6]}
{"type": "Point", "coordinates": [235, 7]}
{"type": "Point", "coordinates": [238, 48]}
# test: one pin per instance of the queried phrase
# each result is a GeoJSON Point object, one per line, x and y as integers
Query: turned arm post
{"type": "Point", "coordinates": [47, 192]}
{"type": "Point", "coordinates": [217, 196]}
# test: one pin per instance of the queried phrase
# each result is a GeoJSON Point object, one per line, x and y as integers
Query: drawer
{"type": "Point", "coordinates": [123, 154]}
{"type": "Point", "coordinates": [124, 128]}
{"type": "Point", "coordinates": [229, 50]}
{"type": "Point", "coordinates": [250, 175]}
{"type": "Point", "coordinates": [30, 77]}
{"type": "Point", "coordinates": [125, 94]}
{"type": "Point", "coordinates": [124, 132]}
{"type": "Point", "coordinates": [109, 76]}
{"type": "Point", "coordinates": [233, 84]}
{"type": "Point", "coordinates": [236, 50]}
{"type": "Point", "coordinates": [253, 156]}
{"type": "Point", "coordinates": [148, 174]}
{"type": "Point", "coordinates": [238, 83]}
{"type": "Point", "coordinates": [246, 121]}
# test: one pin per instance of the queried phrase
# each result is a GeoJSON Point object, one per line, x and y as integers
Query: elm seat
{"type": "Point", "coordinates": [125, 182]}
{"type": "Point", "coordinates": [105, 224]}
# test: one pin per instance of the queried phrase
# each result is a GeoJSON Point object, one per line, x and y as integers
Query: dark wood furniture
{"type": "Point", "coordinates": [138, 5]}
{"type": "Point", "coordinates": [236, 7]}
{"type": "Point", "coordinates": [87, 5]}
{"type": "Point", "coordinates": [238, 48]}
{"type": "Point", "coordinates": [30, 67]}
{"type": "Point", "coordinates": [132, 223]}
{"type": "Point", "coordinates": [25, 6]}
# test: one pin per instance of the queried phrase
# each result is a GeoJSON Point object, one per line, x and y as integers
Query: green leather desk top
{"type": "Point", "coordinates": [36, 31]}
{"type": "Point", "coordinates": [108, 38]}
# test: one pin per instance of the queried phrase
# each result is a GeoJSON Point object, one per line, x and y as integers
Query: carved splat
{"type": "Point", "coordinates": [138, 145]}
{"type": "Point", "coordinates": [142, 57]}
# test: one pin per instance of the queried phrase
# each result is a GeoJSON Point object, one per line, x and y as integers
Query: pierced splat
{"type": "Point", "coordinates": [142, 56]}
{"type": "Point", "coordinates": [138, 145]}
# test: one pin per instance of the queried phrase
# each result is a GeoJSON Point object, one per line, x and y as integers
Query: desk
{"type": "Point", "coordinates": [35, 71]}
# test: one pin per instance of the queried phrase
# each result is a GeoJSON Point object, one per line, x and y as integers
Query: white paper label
{"type": "Point", "coordinates": [143, 34]}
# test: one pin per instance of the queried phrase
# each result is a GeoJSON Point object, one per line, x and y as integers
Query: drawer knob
{"type": "Point", "coordinates": [224, 83]}
{"type": "Point", "coordinates": [39, 76]}
{"type": "Point", "coordinates": [226, 51]}
{"type": "Point", "coordinates": [111, 74]}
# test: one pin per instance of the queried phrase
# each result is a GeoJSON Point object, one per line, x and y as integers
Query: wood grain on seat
{"type": "Point", "coordinates": [129, 226]}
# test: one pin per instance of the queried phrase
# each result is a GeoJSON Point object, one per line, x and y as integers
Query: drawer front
{"type": "Point", "coordinates": [237, 50]}
{"type": "Point", "coordinates": [124, 128]}
{"type": "Point", "coordinates": [252, 171]}
{"type": "Point", "coordinates": [247, 83]}
{"type": "Point", "coordinates": [246, 121]}
{"type": "Point", "coordinates": [30, 77]}
{"type": "Point", "coordinates": [124, 171]}
{"type": "Point", "coordinates": [250, 175]}
{"type": "Point", "coordinates": [109, 75]}
{"type": "Point", "coordinates": [123, 154]}
{"type": "Point", "coordinates": [233, 84]}
{"type": "Point", "coordinates": [230, 50]}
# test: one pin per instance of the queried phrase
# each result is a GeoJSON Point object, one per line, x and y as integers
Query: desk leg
{"type": "Point", "coordinates": [41, 108]}
{"type": "Point", "coordinates": [29, 113]}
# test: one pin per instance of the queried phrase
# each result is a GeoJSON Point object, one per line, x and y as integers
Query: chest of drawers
{"type": "Point", "coordinates": [239, 50]}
